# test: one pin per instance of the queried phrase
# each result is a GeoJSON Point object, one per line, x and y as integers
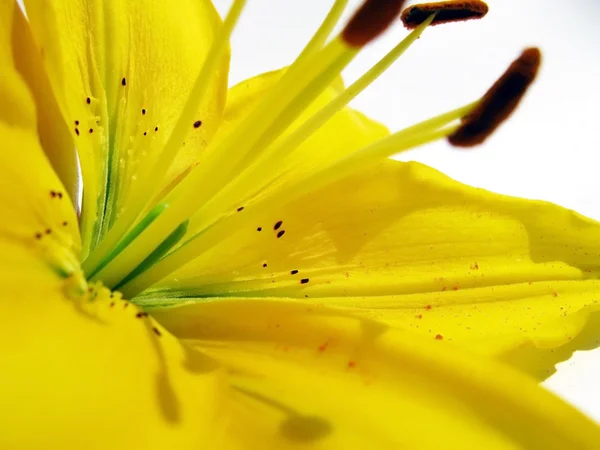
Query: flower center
{"type": "Point", "coordinates": [140, 248]}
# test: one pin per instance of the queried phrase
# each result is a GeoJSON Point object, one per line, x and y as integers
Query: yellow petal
{"type": "Point", "coordinates": [407, 246]}
{"type": "Point", "coordinates": [53, 132]}
{"type": "Point", "coordinates": [96, 375]}
{"type": "Point", "coordinates": [304, 376]}
{"type": "Point", "coordinates": [79, 369]}
{"type": "Point", "coordinates": [17, 108]}
{"type": "Point", "coordinates": [136, 61]}
{"type": "Point", "coordinates": [38, 219]}
{"type": "Point", "coordinates": [87, 372]}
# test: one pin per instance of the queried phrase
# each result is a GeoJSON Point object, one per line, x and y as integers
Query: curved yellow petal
{"type": "Point", "coordinates": [407, 246]}
{"type": "Point", "coordinates": [38, 219]}
{"type": "Point", "coordinates": [306, 376]}
{"type": "Point", "coordinates": [17, 108]}
{"type": "Point", "coordinates": [80, 368]}
{"type": "Point", "coordinates": [96, 373]}
{"type": "Point", "coordinates": [124, 69]}
{"type": "Point", "coordinates": [54, 135]}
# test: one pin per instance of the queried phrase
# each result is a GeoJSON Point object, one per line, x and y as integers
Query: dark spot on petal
{"type": "Point", "coordinates": [145, 133]}
{"type": "Point", "coordinates": [123, 82]}
{"type": "Point", "coordinates": [91, 130]}
{"type": "Point", "coordinates": [88, 100]}
{"type": "Point", "coordinates": [197, 123]}
{"type": "Point", "coordinates": [304, 280]}
{"type": "Point", "coordinates": [294, 272]}
{"type": "Point", "coordinates": [48, 230]}
{"type": "Point", "coordinates": [439, 337]}
{"type": "Point", "coordinates": [278, 225]}
{"type": "Point", "coordinates": [241, 208]}
{"type": "Point", "coordinates": [143, 111]}
{"type": "Point", "coordinates": [259, 229]}
{"type": "Point", "coordinates": [38, 235]}
{"type": "Point", "coordinates": [141, 315]}
{"type": "Point", "coordinates": [155, 128]}
{"type": "Point", "coordinates": [156, 331]}
{"type": "Point", "coordinates": [52, 194]}
{"type": "Point", "coordinates": [280, 233]}
{"type": "Point", "coordinates": [77, 131]}
{"type": "Point", "coordinates": [77, 122]}
{"type": "Point", "coordinates": [59, 194]}
{"type": "Point", "coordinates": [264, 264]}
{"type": "Point", "coordinates": [65, 223]}
{"type": "Point", "coordinates": [112, 304]}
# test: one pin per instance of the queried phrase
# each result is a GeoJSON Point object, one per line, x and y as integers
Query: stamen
{"type": "Point", "coordinates": [223, 226]}
{"type": "Point", "coordinates": [319, 38]}
{"type": "Point", "coordinates": [287, 147]}
{"type": "Point", "coordinates": [372, 19]}
{"type": "Point", "coordinates": [450, 11]}
{"type": "Point", "coordinates": [499, 101]}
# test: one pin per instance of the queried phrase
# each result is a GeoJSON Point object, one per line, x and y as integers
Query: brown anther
{"type": "Point", "coordinates": [499, 101]}
{"type": "Point", "coordinates": [371, 19]}
{"type": "Point", "coordinates": [449, 11]}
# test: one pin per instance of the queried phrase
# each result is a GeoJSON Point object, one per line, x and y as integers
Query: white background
{"type": "Point", "coordinates": [547, 151]}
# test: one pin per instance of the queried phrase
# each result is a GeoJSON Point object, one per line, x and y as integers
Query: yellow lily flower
{"type": "Point", "coordinates": [288, 286]}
